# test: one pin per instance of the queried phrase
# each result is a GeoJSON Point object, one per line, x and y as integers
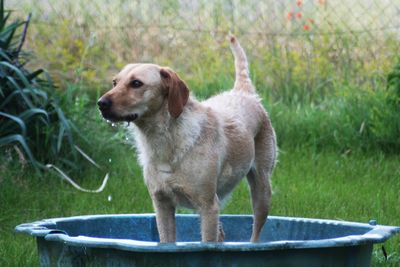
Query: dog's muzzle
{"type": "Point", "coordinates": [105, 105]}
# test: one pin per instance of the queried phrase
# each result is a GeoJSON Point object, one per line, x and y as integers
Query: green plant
{"type": "Point", "coordinates": [386, 120]}
{"type": "Point", "coordinates": [31, 120]}
{"type": "Point", "coordinates": [393, 85]}
{"type": "Point", "coordinates": [354, 119]}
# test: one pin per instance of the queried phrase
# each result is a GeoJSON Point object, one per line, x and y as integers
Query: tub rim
{"type": "Point", "coordinates": [46, 229]}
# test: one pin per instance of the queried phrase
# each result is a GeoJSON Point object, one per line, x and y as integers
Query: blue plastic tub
{"type": "Point", "coordinates": [132, 240]}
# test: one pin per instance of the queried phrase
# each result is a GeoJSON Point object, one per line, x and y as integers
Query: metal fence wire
{"type": "Point", "coordinates": [311, 41]}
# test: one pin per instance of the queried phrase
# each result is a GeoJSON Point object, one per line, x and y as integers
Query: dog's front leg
{"type": "Point", "coordinates": [165, 217]}
{"type": "Point", "coordinates": [209, 221]}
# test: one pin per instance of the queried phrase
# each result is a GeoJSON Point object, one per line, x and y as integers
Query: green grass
{"type": "Point", "coordinates": [355, 187]}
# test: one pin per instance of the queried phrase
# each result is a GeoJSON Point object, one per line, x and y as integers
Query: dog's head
{"type": "Point", "coordinates": [141, 90]}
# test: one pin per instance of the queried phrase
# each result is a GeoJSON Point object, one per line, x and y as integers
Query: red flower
{"type": "Point", "coordinates": [290, 15]}
{"type": "Point", "coordinates": [306, 27]}
{"type": "Point", "coordinates": [299, 3]}
{"type": "Point", "coordinates": [312, 21]}
{"type": "Point", "coordinates": [299, 15]}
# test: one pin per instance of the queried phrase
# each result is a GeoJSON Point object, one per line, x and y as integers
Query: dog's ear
{"type": "Point", "coordinates": [176, 90]}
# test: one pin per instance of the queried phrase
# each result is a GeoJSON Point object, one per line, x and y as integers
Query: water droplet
{"type": "Point", "coordinates": [126, 139]}
{"type": "Point", "coordinates": [109, 198]}
{"type": "Point", "coordinates": [113, 125]}
{"type": "Point", "coordinates": [109, 160]}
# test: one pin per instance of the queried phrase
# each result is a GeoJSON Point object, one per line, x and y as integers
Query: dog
{"type": "Point", "coordinates": [194, 153]}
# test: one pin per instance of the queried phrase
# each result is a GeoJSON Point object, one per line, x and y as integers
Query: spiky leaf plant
{"type": "Point", "coordinates": [31, 120]}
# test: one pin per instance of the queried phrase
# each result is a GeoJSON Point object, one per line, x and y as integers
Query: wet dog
{"type": "Point", "coordinates": [194, 153]}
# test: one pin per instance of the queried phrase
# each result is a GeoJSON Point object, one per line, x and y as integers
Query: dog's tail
{"type": "Point", "coordinates": [242, 80]}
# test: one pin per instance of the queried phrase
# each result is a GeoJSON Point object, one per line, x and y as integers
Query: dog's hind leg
{"type": "Point", "coordinates": [261, 197]}
{"type": "Point", "coordinates": [259, 178]}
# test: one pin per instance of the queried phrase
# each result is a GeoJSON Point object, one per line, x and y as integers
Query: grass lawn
{"type": "Point", "coordinates": [355, 187]}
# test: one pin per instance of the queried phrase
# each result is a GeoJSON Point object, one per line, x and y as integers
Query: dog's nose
{"type": "Point", "coordinates": [104, 103]}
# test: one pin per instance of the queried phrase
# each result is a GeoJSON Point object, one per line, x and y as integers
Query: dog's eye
{"type": "Point", "coordinates": [136, 83]}
{"type": "Point", "coordinates": [114, 83]}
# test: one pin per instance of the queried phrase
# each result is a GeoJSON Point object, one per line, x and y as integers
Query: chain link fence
{"type": "Point", "coordinates": [306, 44]}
